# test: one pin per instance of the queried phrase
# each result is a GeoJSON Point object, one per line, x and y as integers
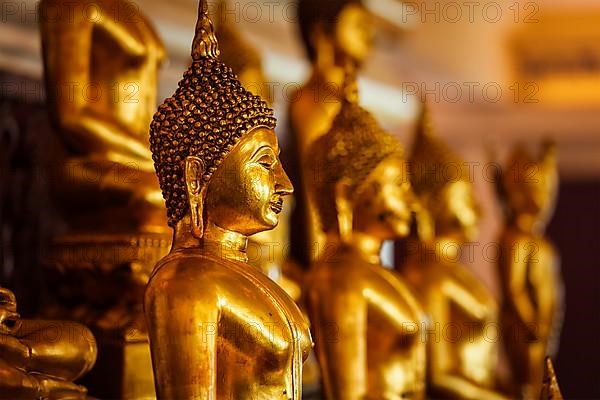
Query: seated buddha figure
{"type": "Point", "coordinates": [41, 359]}
{"type": "Point", "coordinates": [240, 55]}
{"type": "Point", "coordinates": [101, 61]}
{"type": "Point", "coordinates": [528, 267]}
{"type": "Point", "coordinates": [336, 34]}
{"type": "Point", "coordinates": [462, 353]}
{"type": "Point", "coordinates": [365, 319]}
{"type": "Point", "coordinates": [219, 328]}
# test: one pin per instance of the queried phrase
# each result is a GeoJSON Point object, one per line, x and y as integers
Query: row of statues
{"type": "Point", "coordinates": [190, 315]}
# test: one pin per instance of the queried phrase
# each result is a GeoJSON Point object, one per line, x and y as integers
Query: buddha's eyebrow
{"type": "Point", "coordinates": [260, 149]}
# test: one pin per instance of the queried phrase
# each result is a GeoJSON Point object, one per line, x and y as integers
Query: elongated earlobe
{"type": "Point", "coordinates": [425, 227]}
{"type": "Point", "coordinates": [344, 210]}
{"type": "Point", "coordinates": [196, 191]}
{"type": "Point", "coordinates": [548, 154]}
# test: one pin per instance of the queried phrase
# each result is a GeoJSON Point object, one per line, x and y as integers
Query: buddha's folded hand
{"type": "Point", "coordinates": [13, 351]}
{"type": "Point", "coordinates": [56, 389]}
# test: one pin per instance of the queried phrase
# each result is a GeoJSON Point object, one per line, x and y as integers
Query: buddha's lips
{"type": "Point", "coordinates": [276, 205]}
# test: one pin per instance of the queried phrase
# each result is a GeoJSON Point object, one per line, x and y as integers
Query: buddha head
{"type": "Point", "coordinates": [335, 31]}
{"type": "Point", "coordinates": [441, 181]}
{"type": "Point", "coordinates": [214, 147]}
{"type": "Point", "coordinates": [359, 177]}
{"type": "Point", "coordinates": [529, 184]}
{"type": "Point", "coordinates": [240, 55]}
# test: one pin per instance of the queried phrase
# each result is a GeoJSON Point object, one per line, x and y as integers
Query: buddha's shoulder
{"type": "Point", "coordinates": [193, 270]}
{"type": "Point", "coordinates": [341, 271]}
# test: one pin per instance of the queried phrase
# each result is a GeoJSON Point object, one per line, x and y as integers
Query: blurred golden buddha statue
{"type": "Point", "coordinates": [462, 355]}
{"type": "Point", "coordinates": [101, 65]}
{"type": "Point", "coordinates": [101, 60]}
{"type": "Point", "coordinates": [41, 359]}
{"type": "Point", "coordinates": [337, 34]}
{"type": "Point", "coordinates": [267, 250]}
{"type": "Point", "coordinates": [366, 321]}
{"type": "Point", "coordinates": [219, 328]}
{"type": "Point", "coordinates": [240, 55]}
{"type": "Point", "coordinates": [550, 389]}
{"type": "Point", "coordinates": [528, 266]}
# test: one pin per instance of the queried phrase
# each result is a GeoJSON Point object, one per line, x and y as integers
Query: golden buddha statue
{"type": "Point", "coordinates": [366, 321]}
{"type": "Point", "coordinates": [550, 389]}
{"type": "Point", "coordinates": [337, 35]}
{"type": "Point", "coordinates": [462, 355]}
{"type": "Point", "coordinates": [41, 359]}
{"type": "Point", "coordinates": [219, 328]}
{"type": "Point", "coordinates": [528, 266]}
{"type": "Point", "coordinates": [101, 61]}
{"type": "Point", "coordinates": [101, 103]}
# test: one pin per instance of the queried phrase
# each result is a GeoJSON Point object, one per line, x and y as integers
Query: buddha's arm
{"type": "Point", "coordinates": [468, 300]}
{"type": "Point", "coordinates": [517, 272]}
{"type": "Point", "coordinates": [119, 27]}
{"type": "Point", "coordinates": [442, 366]}
{"type": "Point", "coordinates": [17, 361]}
{"type": "Point", "coordinates": [68, 45]}
{"type": "Point", "coordinates": [14, 352]}
{"type": "Point", "coordinates": [94, 135]}
{"type": "Point", "coordinates": [456, 387]}
{"type": "Point", "coordinates": [402, 310]}
{"type": "Point", "coordinates": [182, 319]}
{"type": "Point", "coordinates": [16, 384]}
{"type": "Point", "coordinates": [340, 325]}
{"type": "Point", "coordinates": [545, 288]}
{"type": "Point", "coordinates": [62, 349]}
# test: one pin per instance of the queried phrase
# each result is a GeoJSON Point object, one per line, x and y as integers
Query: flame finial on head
{"type": "Point", "coordinates": [550, 388]}
{"type": "Point", "coordinates": [350, 89]}
{"type": "Point", "coordinates": [205, 42]}
{"type": "Point", "coordinates": [433, 164]}
{"type": "Point", "coordinates": [524, 167]}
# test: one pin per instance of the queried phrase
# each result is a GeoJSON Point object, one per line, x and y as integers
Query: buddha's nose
{"type": "Point", "coordinates": [283, 185]}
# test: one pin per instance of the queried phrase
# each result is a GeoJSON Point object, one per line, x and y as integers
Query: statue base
{"type": "Point", "coordinates": [123, 370]}
{"type": "Point", "coordinates": [99, 280]}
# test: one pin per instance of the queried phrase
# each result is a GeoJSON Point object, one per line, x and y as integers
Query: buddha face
{"type": "Point", "coordinates": [457, 212]}
{"type": "Point", "coordinates": [536, 193]}
{"type": "Point", "coordinates": [353, 34]}
{"type": "Point", "coordinates": [383, 209]}
{"type": "Point", "coordinates": [245, 193]}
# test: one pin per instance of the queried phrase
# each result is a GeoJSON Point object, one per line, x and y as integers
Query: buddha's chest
{"type": "Point", "coordinates": [262, 345]}
{"type": "Point", "coordinates": [266, 327]}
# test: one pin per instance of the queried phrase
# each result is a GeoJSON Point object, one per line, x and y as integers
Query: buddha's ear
{"type": "Point", "coordinates": [424, 222]}
{"type": "Point", "coordinates": [344, 208]}
{"type": "Point", "coordinates": [196, 191]}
